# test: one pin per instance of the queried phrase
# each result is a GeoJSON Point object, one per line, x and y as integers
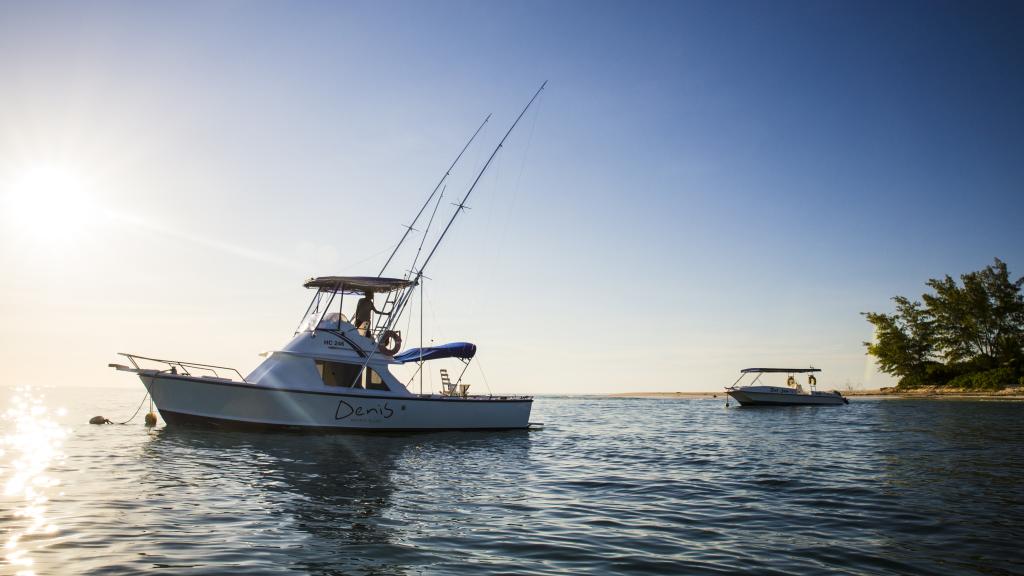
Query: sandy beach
{"type": "Point", "coordinates": [689, 395]}
{"type": "Point", "coordinates": [1009, 393]}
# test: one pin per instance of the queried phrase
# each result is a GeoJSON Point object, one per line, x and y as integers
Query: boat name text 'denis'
{"type": "Point", "coordinates": [381, 410]}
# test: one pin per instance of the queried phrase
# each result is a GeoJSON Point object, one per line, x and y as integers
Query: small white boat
{"type": "Point", "coordinates": [335, 374]}
{"type": "Point", "coordinates": [793, 394]}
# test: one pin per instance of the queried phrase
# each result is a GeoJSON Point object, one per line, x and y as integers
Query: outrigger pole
{"type": "Point", "coordinates": [399, 308]}
{"type": "Point", "coordinates": [462, 205]}
{"type": "Point", "coordinates": [418, 274]}
{"type": "Point", "coordinates": [447, 173]}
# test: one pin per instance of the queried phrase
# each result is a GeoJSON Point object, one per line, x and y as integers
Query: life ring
{"type": "Point", "coordinates": [790, 381]}
{"type": "Point", "coordinates": [390, 343]}
{"type": "Point", "coordinates": [812, 380]}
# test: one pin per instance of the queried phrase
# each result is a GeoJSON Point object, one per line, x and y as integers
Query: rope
{"type": "Point", "coordinates": [526, 152]}
{"type": "Point", "coordinates": [480, 367]}
{"type": "Point", "coordinates": [408, 328]}
{"type": "Point", "coordinates": [440, 329]}
{"type": "Point", "coordinates": [497, 246]}
{"type": "Point", "coordinates": [136, 410]}
{"type": "Point", "coordinates": [367, 259]}
{"type": "Point", "coordinates": [519, 179]}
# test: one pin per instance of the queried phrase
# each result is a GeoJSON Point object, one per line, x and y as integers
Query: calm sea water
{"type": "Point", "coordinates": [610, 486]}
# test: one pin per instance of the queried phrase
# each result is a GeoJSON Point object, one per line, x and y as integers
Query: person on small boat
{"type": "Point", "coordinates": [364, 313]}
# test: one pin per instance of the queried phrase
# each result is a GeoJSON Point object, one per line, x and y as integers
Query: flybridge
{"type": "Point", "coordinates": [358, 284]}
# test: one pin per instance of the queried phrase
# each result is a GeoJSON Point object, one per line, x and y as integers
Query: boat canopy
{"type": "Point", "coordinates": [780, 370]}
{"type": "Point", "coordinates": [357, 284]}
{"type": "Point", "coordinates": [460, 350]}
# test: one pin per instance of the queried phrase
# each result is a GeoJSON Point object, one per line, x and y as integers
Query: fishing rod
{"type": "Point", "coordinates": [447, 173]}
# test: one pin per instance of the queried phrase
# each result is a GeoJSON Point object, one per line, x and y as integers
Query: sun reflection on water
{"type": "Point", "coordinates": [31, 443]}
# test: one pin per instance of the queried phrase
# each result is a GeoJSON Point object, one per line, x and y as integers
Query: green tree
{"type": "Point", "coordinates": [982, 319]}
{"type": "Point", "coordinates": [976, 326]}
{"type": "Point", "coordinates": [905, 342]}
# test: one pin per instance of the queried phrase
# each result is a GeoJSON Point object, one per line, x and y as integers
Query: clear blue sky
{"type": "Point", "coordinates": [702, 187]}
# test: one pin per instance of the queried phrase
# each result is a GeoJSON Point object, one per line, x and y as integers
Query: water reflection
{"type": "Point", "coordinates": [31, 444]}
{"type": "Point", "coordinates": [352, 503]}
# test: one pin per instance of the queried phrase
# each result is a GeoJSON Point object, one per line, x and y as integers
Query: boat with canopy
{"type": "Point", "coordinates": [792, 394]}
{"type": "Point", "coordinates": [335, 372]}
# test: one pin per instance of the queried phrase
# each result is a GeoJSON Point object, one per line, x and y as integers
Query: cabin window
{"type": "Point", "coordinates": [374, 381]}
{"type": "Point", "coordinates": [343, 375]}
{"type": "Point", "coordinates": [338, 373]}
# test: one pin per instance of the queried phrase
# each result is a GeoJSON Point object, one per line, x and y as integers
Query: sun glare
{"type": "Point", "coordinates": [49, 202]}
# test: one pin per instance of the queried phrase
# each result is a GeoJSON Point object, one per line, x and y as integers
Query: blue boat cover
{"type": "Point", "coordinates": [463, 350]}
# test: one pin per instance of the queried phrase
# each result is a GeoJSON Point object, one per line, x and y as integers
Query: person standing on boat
{"type": "Point", "coordinates": [364, 313]}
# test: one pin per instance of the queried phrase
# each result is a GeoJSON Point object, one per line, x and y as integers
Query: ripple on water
{"type": "Point", "coordinates": [611, 486]}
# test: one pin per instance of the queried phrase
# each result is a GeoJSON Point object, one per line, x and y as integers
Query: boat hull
{"type": "Point", "coordinates": [184, 400]}
{"type": "Point", "coordinates": [748, 398]}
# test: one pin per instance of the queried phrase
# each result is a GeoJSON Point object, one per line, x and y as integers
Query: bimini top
{"type": "Point", "coordinates": [357, 284]}
{"type": "Point", "coordinates": [782, 370]}
{"type": "Point", "coordinates": [461, 350]}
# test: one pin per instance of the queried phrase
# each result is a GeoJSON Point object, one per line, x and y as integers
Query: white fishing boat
{"type": "Point", "coordinates": [335, 373]}
{"type": "Point", "coordinates": [793, 394]}
{"type": "Point", "coordinates": [331, 375]}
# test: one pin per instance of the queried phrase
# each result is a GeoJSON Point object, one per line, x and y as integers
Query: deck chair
{"type": "Point", "coordinates": [446, 384]}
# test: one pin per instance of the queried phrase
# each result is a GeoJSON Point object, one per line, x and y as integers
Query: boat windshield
{"type": "Point", "coordinates": [331, 321]}
{"type": "Point", "coordinates": [328, 321]}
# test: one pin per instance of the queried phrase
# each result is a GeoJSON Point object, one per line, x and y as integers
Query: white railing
{"type": "Point", "coordinates": [180, 367]}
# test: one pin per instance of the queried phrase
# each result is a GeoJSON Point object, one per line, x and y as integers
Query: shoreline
{"type": "Point", "coordinates": [1010, 393]}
